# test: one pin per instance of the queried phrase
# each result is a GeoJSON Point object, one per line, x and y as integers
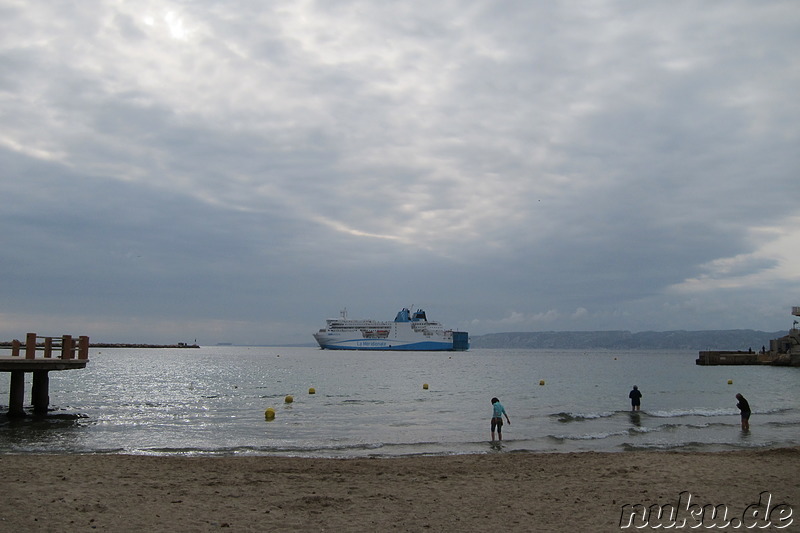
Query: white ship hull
{"type": "Point", "coordinates": [408, 332]}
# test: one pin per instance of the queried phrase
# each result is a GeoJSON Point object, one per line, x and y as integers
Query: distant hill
{"type": "Point", "coordinates": [732, 339]}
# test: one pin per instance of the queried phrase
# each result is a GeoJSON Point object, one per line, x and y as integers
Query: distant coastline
{"type": "Point", "coordinates": [734, 339]}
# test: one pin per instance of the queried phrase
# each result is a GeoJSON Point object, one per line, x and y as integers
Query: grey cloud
{"type": "Point", "coordinates": [251, 168]}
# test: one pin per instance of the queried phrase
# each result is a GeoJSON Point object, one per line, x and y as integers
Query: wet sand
{"type": "Point", "coordinates": [492, 492]}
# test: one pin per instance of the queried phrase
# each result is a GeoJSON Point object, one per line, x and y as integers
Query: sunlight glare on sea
{"type": "Point", "coordinates": [212, 400]}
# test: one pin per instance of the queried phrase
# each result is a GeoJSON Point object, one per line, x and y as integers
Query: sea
{"type": "Point", "coordinates": [211, 401]}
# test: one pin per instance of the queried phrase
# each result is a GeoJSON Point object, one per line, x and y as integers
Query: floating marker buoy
{"type": "Point", "coordinates": [312, 390]}
{"type": "Point", "coordinates": [541, 382]}
{"type": "Point", "coordinates": [289, 398]}
{"type": "Point", "coordinates": [730, 382]}
{"type": "Point", "coordinates": [269, 414]}
{"type": "Point", "coordinates": [425, 386]}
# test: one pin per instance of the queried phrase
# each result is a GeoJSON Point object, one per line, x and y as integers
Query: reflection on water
{"type": "Point", "coordinates": [212, 401]}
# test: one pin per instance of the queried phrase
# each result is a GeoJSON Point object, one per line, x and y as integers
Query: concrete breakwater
{"type": "Point", "coordinates": [125, 345]}
{"type": "Point", "coordinates": [783, 351]}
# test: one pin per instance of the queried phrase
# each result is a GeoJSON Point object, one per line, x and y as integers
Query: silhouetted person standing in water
{"type": "Point", "coordinates": [744, 407]}
{"type": "Point", "coordinates": [636, 398]}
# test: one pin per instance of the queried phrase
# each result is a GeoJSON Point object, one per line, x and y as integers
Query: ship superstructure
{"type": "Point", "coordinates": [409, 331]}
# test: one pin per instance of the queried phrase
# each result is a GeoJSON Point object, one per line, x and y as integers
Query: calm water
{"type": "Point", "coordinates": [212, 401]}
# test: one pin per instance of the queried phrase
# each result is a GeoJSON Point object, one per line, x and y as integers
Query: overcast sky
{"type": "Point", "coordinates": [239, 171]}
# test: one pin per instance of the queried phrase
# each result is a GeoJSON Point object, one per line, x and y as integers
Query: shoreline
{"type": "Point", "coordinates": [516, 491]}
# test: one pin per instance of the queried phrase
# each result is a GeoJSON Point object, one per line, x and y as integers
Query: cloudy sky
{"type": "Point", "coordinates": [239, 171]}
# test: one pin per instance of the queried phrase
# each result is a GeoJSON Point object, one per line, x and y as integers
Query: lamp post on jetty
{"type": "Point", "coordinates": [17, 365]}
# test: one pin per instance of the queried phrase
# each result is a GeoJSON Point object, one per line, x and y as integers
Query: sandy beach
{"type": "Point", "coordinates": [492, 492]}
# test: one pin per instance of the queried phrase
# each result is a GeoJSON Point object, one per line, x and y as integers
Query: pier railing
{"type": "Point", "coordinates": [64, 347]}
{"type": "Point", "coordinates": [62, 353]}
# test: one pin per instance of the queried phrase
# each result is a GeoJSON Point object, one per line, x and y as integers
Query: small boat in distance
{"type": "Point", "coordinates": [410, 331]}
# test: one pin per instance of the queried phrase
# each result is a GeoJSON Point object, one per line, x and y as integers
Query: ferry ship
{"type": "Point", "coordinates": [410, 331]}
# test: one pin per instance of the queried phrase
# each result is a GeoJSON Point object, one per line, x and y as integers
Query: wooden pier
{"type": "Point", "coordinates": [39, 358]}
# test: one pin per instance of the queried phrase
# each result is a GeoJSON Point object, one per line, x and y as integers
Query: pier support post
{"type": "Point", "coordinates": [16, 396]}
{"type": "Point", "coordinates": [40, 392]}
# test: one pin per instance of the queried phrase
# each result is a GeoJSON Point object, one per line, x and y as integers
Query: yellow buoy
{"type": "Point", "coordinates": [312, 390]}
{"type": "Point", "coordinates": [289, 398]}
{"type": "Point", "coordinates": [425, 386]}
{"type": "Point", "coordinates": [730, 382]}
{"type": "Point", "coordinates": [541, 382]}
{"type": "Point", "coordinates": [269, 414]}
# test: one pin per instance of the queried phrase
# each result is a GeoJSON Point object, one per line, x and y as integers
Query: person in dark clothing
{"type": "Point", "coordinates": [636, 398]}
{"type": "Point", "coordinates": [744, 407]}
